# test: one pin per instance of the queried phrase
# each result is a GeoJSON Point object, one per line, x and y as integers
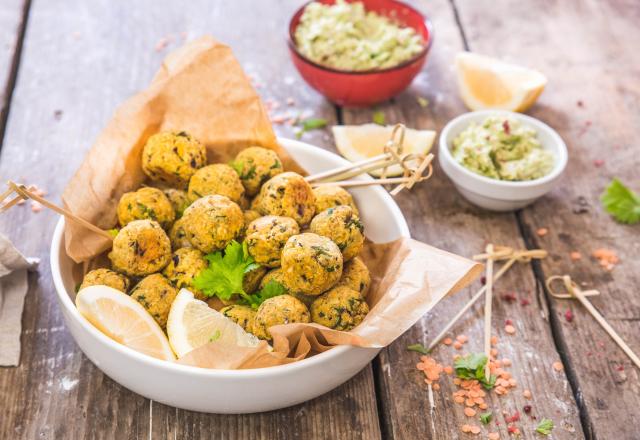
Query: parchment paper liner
{"type": "Point", "coordinates": [202, 89]}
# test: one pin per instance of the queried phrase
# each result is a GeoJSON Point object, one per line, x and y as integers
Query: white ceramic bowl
{"type": "Point", "coordinates": [493, 194]}
{"type": "Point", "coordinates": [231, 391]}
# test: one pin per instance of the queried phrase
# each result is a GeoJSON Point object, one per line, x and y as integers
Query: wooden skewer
{"type": "Point", "coordinates": [471, 302]}
{"type": "Point", "coordinates": [11, 203]}
{"type": "Point", "coordinates": [575, 292]}
{"type": "Point", "coordinates": [354, 183]}
{"type": "Point", "coordinates": [25, 193]}
{"type": "Point", "coordinates": [418, 172]}
{"type": "Point", "coordinates": [345, 168]}
{"type": "Point", "coordinates": [487, 311]}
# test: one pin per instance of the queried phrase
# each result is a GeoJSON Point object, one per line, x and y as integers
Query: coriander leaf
{"type": "Point", "coordinates": [271, 289]}
{"type": "Point", "coordinates": [113, 232]}
{"type": "Point", "coordinates": [313, 124]}
{"type": "Point", "coordinates": [237, 166]}
{"type": "Point", "coordinates": [545, 427]}
{"type": "Point", "coordinates": [485, 418]}
{"type": "Point", "coordinates": [418, 348]}
{"type": "Point", "coordinates": [379, 118]}
{"type": "Point", "coordinates": [622, 203]}
{"type": "Point", "coordinates": [225, 273]}
{"type": "Point", "coordinates": [472, 367]}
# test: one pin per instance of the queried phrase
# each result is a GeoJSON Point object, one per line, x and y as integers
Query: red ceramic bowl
{"type": "Point", "coordinates": [368, 87]}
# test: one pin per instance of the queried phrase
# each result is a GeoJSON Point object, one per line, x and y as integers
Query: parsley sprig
{"type": "Point", "coordinates": [472, 367]}
{"type": "Point", "coordinates": [622, 203]}
{"type": "Point", "coordinates": [223, 278]}
{"type": "Point", "coordinates": [545, 427]}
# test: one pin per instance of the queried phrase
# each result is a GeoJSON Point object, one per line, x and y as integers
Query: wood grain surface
{"type": "Point", "coordinates": [72, 75]}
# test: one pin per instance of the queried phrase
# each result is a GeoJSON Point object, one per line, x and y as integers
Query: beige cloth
{"type": "Point", "coordinates": [13, 289]}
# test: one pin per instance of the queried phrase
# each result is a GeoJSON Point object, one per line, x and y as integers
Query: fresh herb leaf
{"type": "Point", "coordinates": [215, 336]}
{"type": "Point", "coordinates": [485, 418]}
{"type": "Point", "coordinates": [113, 232]}
{"type": "Point", "coordinates": [313, 124]}
{"type": "Point", "coordinates": [622, 203]}
{"type": "Point", "coordinates": [237, 166]}
{"type": "Point", "coordinates": [472, 367]}
{"type": "Point", "coordinates": [418, 348]}
{"type": "Point", "coordinates": [545, 427]}
{"type": "Point", "coordinates": [270, 290]}
{"type": "Point", "coordinates": [378, 117]}
{"type": "Point", "coordinates": [223, 278]}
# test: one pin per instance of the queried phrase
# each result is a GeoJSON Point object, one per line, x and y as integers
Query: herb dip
{"type": "Point", "coordinates": [347, 37]}
{"type": "Point", "coordinates": [503, 149]}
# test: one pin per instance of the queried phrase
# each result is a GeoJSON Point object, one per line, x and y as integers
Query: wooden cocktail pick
{"type": "Point", "coordinates": [392, 156]}
{"type": "Point", "coordinates": [574, 292]}
{"type": "Point", "coordinates": [487, 309]}
{"type": "Point", "coordinates": [23, 193]}
{"type": "Point", "coordinates": [500, 253]}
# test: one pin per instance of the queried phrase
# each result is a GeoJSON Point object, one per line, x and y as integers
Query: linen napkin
{"type": "Point", "coordinates": [13, 289]}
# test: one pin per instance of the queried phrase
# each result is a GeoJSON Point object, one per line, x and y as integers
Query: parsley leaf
{"type": "Point", "coordinates": [237, 166]}
{"type": "Point", "coordinates": [545, 427]}
{"type": "Point", "coordinates": [113, 232]}
{"type": "Point", "coordinates": [485, 418]}
{"type": "Point", "coordinates": [224, 275]}
{"type": "Point", "coordinates": [271, 289]}
{"type": "Point", "coordinates": [379, 118]}
{"type": "Point", "coordinates": [622, 203]}
{"type": "Point", "coordinates": [472, 367]}
{"type": "Point", "coordinates": [418, 348]}
{"type": "Point", "coordinates": [310, 124]}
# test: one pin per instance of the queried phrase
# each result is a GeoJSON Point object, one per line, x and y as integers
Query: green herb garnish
{"type": "Point", "coordinates": [485, 418]}
{"type": "Point", "coordinates": [422, 102]}
{"type": "Point", "coordinates": [545, 427]}
{"type": "Point", "coordinates": [622, 203]}
{"type": "Point", "coordinates": [379, 118]}
{"type": "Point", "coordinates": [223, 278]}
{"type": "Point", "coordinates": [472, 366]}
{"type": "Point", "coordinates": [310, 124]}
{"type": "Point", "coordinates": [418, 348]}
{"type": "Point", "coordinates": [113, 232]}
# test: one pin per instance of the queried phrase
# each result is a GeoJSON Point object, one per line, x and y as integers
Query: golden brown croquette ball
{"type": "Point", "coordinates": [211, 222]}
{"type": "Point", "coordinates": [343, 227]}
{"type": "Point", "coordinates": [287, 195]}
{"type": "Point", "coordinates": [218, 179]}
{"type": "Point", "coordinates": [172, 158]}
{"type": "Point", "coordinates": [311, 264]}
{"type": "Point", "coordinates": [178, 199]}
{"type": "Point", "coordinates": [140, 248]}
{"type": "Point", "coordinates": [256, 165]}
{"type": "Point", "coordinates": [105, 277]}
{"type": "Point", "coordinates": [177, 236]}
{"type": "Point", "coordinates": [275, 275]}
{"type": "Point", "coordinates": [282, 309]}
{"type": "Point", "coordinates": [156, 294]}
{"type": "Point", "coordinates": [185, 265]}
{"type": "Point", "coordinates": [252, 279]}
{"type": "Point", "coordinates": [145, 203]}
{"type": "Point", "coordinates": [266, 236]}
{"type": "Point", "coordinates": [356, 276]}
{"type": "Point", "coordinates": [341, 308]}
{"type": "Point", "coordinates": [328, 196]}
{"type": "Point", "coordinates": [241, 315]}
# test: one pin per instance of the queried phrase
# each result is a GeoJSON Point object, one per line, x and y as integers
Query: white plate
{"type": "Point", "coordinates": [231, 391]}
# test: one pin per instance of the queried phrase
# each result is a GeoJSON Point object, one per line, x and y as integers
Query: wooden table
{"type": "Point", "coordinates": [66, 65]}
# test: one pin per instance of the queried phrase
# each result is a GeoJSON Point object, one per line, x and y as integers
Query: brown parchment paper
{"type": "Point", "coordinates": [202, 89]}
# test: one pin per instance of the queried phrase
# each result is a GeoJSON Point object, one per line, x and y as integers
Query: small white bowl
{"type": "Point", "coordinates": [231, 391]}
{"type": "Point", "coordinates": [493, 194]}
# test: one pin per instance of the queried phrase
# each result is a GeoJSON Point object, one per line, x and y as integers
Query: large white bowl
{"type": "Point", "coordinates": [493, 194]}
{"type": "Point", "coordinates": [231, 391]}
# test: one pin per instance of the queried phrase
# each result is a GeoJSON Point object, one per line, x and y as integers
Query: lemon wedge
{"type": "Point", "coordinates": [124, 320]}
{"type": "Point", "coordinates": [488, 83]}
{"type": "Point", "coordinates": [359, 142]}
{"type": "Point", "coordinates": [192, 324]}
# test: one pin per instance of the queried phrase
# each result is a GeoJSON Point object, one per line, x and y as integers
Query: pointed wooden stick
{"type": "Point", "coordinates": [416, 174]}
{"type": "Point", "coordinates": [345, 168]}
{"type": "Point", "coordinates": [25, 193]}
{"type": "Point", "coordinates": [575, 292]}
{"type": "Point", "coordinates": [355, 183]}
{"type": "Point", "coordinates": [11, 203]}
{"type": "Point", "coordinates": [487, 311]}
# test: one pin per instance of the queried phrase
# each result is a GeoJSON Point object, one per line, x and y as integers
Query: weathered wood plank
{"type": "Point", "coordinates": [72, 77]}
{"type": "Point", "coordinates": [13, 16]}
{"type": "Point", "coordinates": [438, 215]}
{"type": "Point", "coordinates": [588, 51]}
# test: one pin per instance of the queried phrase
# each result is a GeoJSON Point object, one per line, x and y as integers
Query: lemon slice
{"type": "Point", "coordinates": [488, 83]}
{"type": "Point", "coordinates": [124, 320]}
{"type": "Point", "coordinates": [359, 142]}
{"type": "Point", "coordinates": [192, 324]}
